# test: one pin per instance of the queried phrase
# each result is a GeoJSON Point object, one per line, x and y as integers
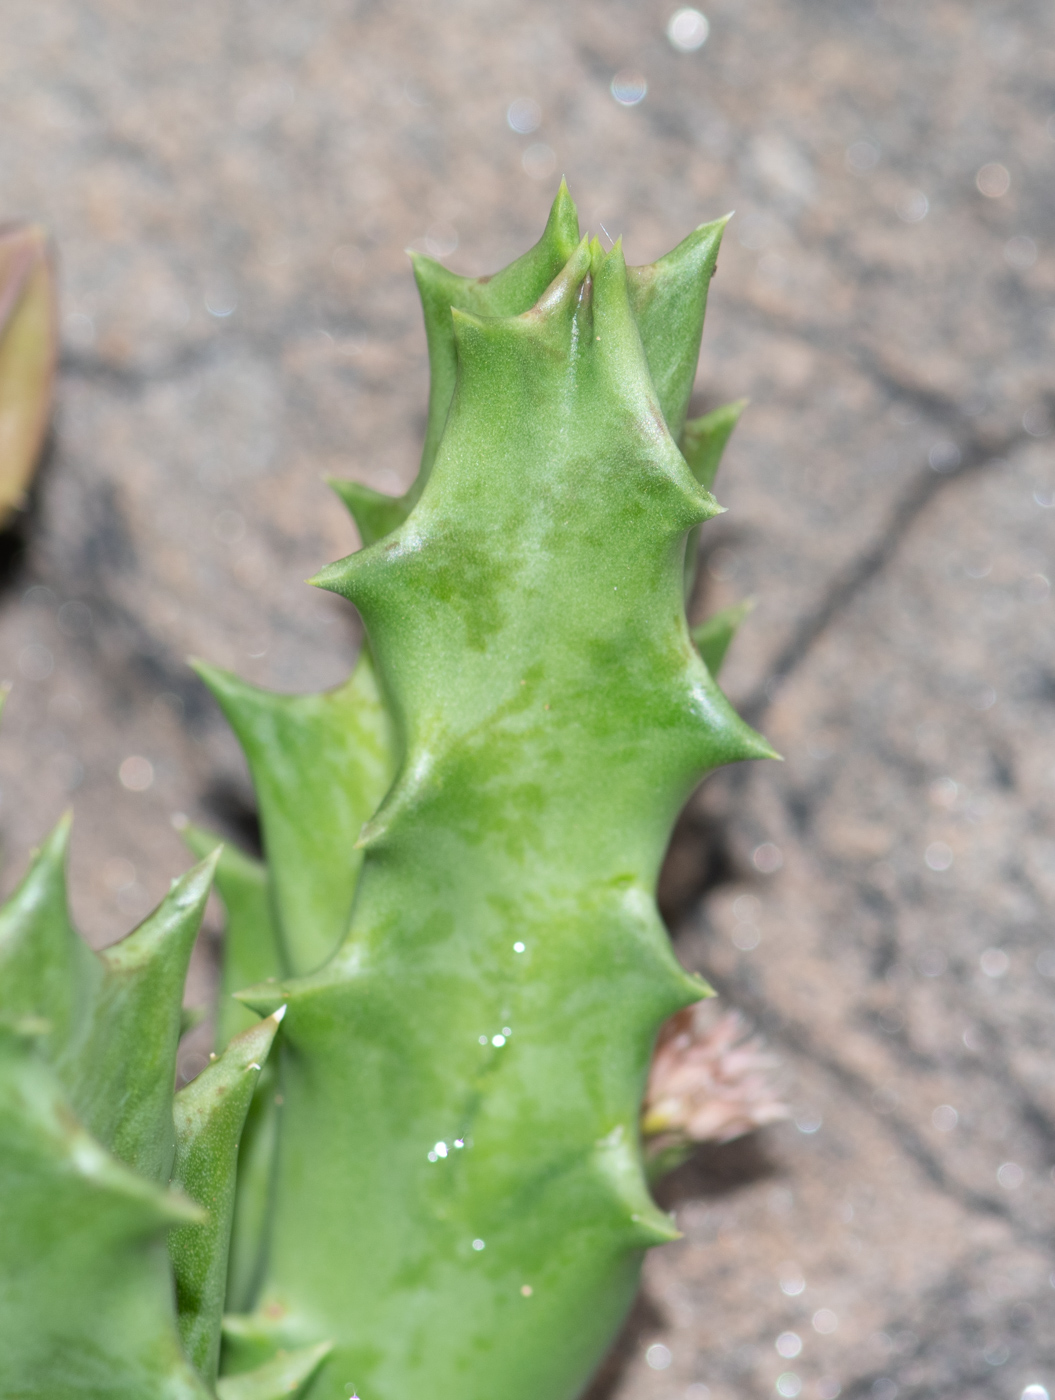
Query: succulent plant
{"type": "Point", "coordinates": [436, 1183]}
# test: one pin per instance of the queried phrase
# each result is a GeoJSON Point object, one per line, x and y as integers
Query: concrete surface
{"type": "Point", "coordinates": [231, 185]}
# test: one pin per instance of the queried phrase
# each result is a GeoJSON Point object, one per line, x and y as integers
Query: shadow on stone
{"type": "Point", "coordinates": [235, 815]}
{"type": "Point", "coordinates": [698, 860]}
{"type": "Point", "coordinates": [718, 1169]}
{"type": "Point", "coordinates": [17, 533]}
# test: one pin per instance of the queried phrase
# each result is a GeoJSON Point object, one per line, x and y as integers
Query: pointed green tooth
{"type": "Point", "coordinates": [209, 1115]}
{"type": "Point", "coordinates": [46, 969]}
{"type": "Point", "coordinates": [618, 1161]}
{"type": "Point", "coordinates": [320, 765]}
{"type": "Point", "coordinates": [712, 637]}
{"type": "Point", "coordinates": [375, 514]}
{"type": "Point", "coordinates": [506, 293]}
{"type": "Point", "coordinates": [86, 1305]}
{"type": "Point", "coordinates": [728, 738]}
{"type": "Point", "coordinates": [119, 1071]}
{"type": "Point", "coordinates": [703, 440]}
{"type": "Point", "coordinates": [509, 292]}
{"type": "Point", "coordinates": [251, 950]}
{"type": "Point", "coordinates": [285, 1375]}
{"type": "Point", "coordinates": [617, 341]}
{"type": "Point", "coordinates": [266, 997]}
{"type": "Point", "coordinates": [702, 443]}
{"type": "Point", "coordinates": [669, 299]}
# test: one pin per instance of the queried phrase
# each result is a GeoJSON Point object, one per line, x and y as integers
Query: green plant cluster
{"type": "Point", "coordinates": [428, 1181]}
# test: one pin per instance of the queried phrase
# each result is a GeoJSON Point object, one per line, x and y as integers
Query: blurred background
{"type": "Point", "coordinates": [231, 186]}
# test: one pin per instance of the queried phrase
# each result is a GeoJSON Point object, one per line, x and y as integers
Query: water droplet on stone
{"type": "Point", "coordinates": [688, 30]}
{"type": "Point", "coordinates": [658, 1357]}
{"type": "Point", "coordinates": [629, 88]}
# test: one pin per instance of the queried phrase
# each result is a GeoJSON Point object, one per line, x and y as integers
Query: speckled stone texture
{"type": "Point", "coordinates": [231, 185]}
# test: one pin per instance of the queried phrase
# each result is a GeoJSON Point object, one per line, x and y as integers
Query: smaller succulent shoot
{"type": "Point", "coordinates": [28, 352]}
{"type": "Point", "coordinates": [117, 1196]}
{"type": "Point", "coordinates": [712, 1080]}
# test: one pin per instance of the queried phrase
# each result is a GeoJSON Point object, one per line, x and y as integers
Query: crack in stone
{"type": "Point", "coordinates": [202, 354]}
{"type": "Point", "coordinates": [132, 379]}
{"type": "Point", "coordinates": [779, 1026]}
{"type": "Point", "coordinates": [947, 1302]}
{"type": "Point", "coordinates": [849, 581]}
{"type": "Point", "coordinates": [979, 449]}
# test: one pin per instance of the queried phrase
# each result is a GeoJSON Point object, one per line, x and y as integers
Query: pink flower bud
{"type": "Point", "coordinates": [711, 1081]}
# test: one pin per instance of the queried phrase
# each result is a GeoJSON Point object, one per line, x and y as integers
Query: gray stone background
{"type": "Point", "coordinates": [231, 184]}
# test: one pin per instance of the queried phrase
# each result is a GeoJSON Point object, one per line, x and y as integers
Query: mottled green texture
{"type": "Point", "coordinates": [459, 1199]}
{"type": "Point", "coordinates": [209, 1115]}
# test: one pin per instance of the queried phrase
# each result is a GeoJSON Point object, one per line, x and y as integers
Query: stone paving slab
{"type": "Point", "coordinates": [231, 186]}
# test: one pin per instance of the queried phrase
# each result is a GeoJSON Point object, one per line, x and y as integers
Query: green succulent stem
{"type": "Point", "coordinates": [429, 1179]}
{"type": "Point", "coordinates": [461, 1082]}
